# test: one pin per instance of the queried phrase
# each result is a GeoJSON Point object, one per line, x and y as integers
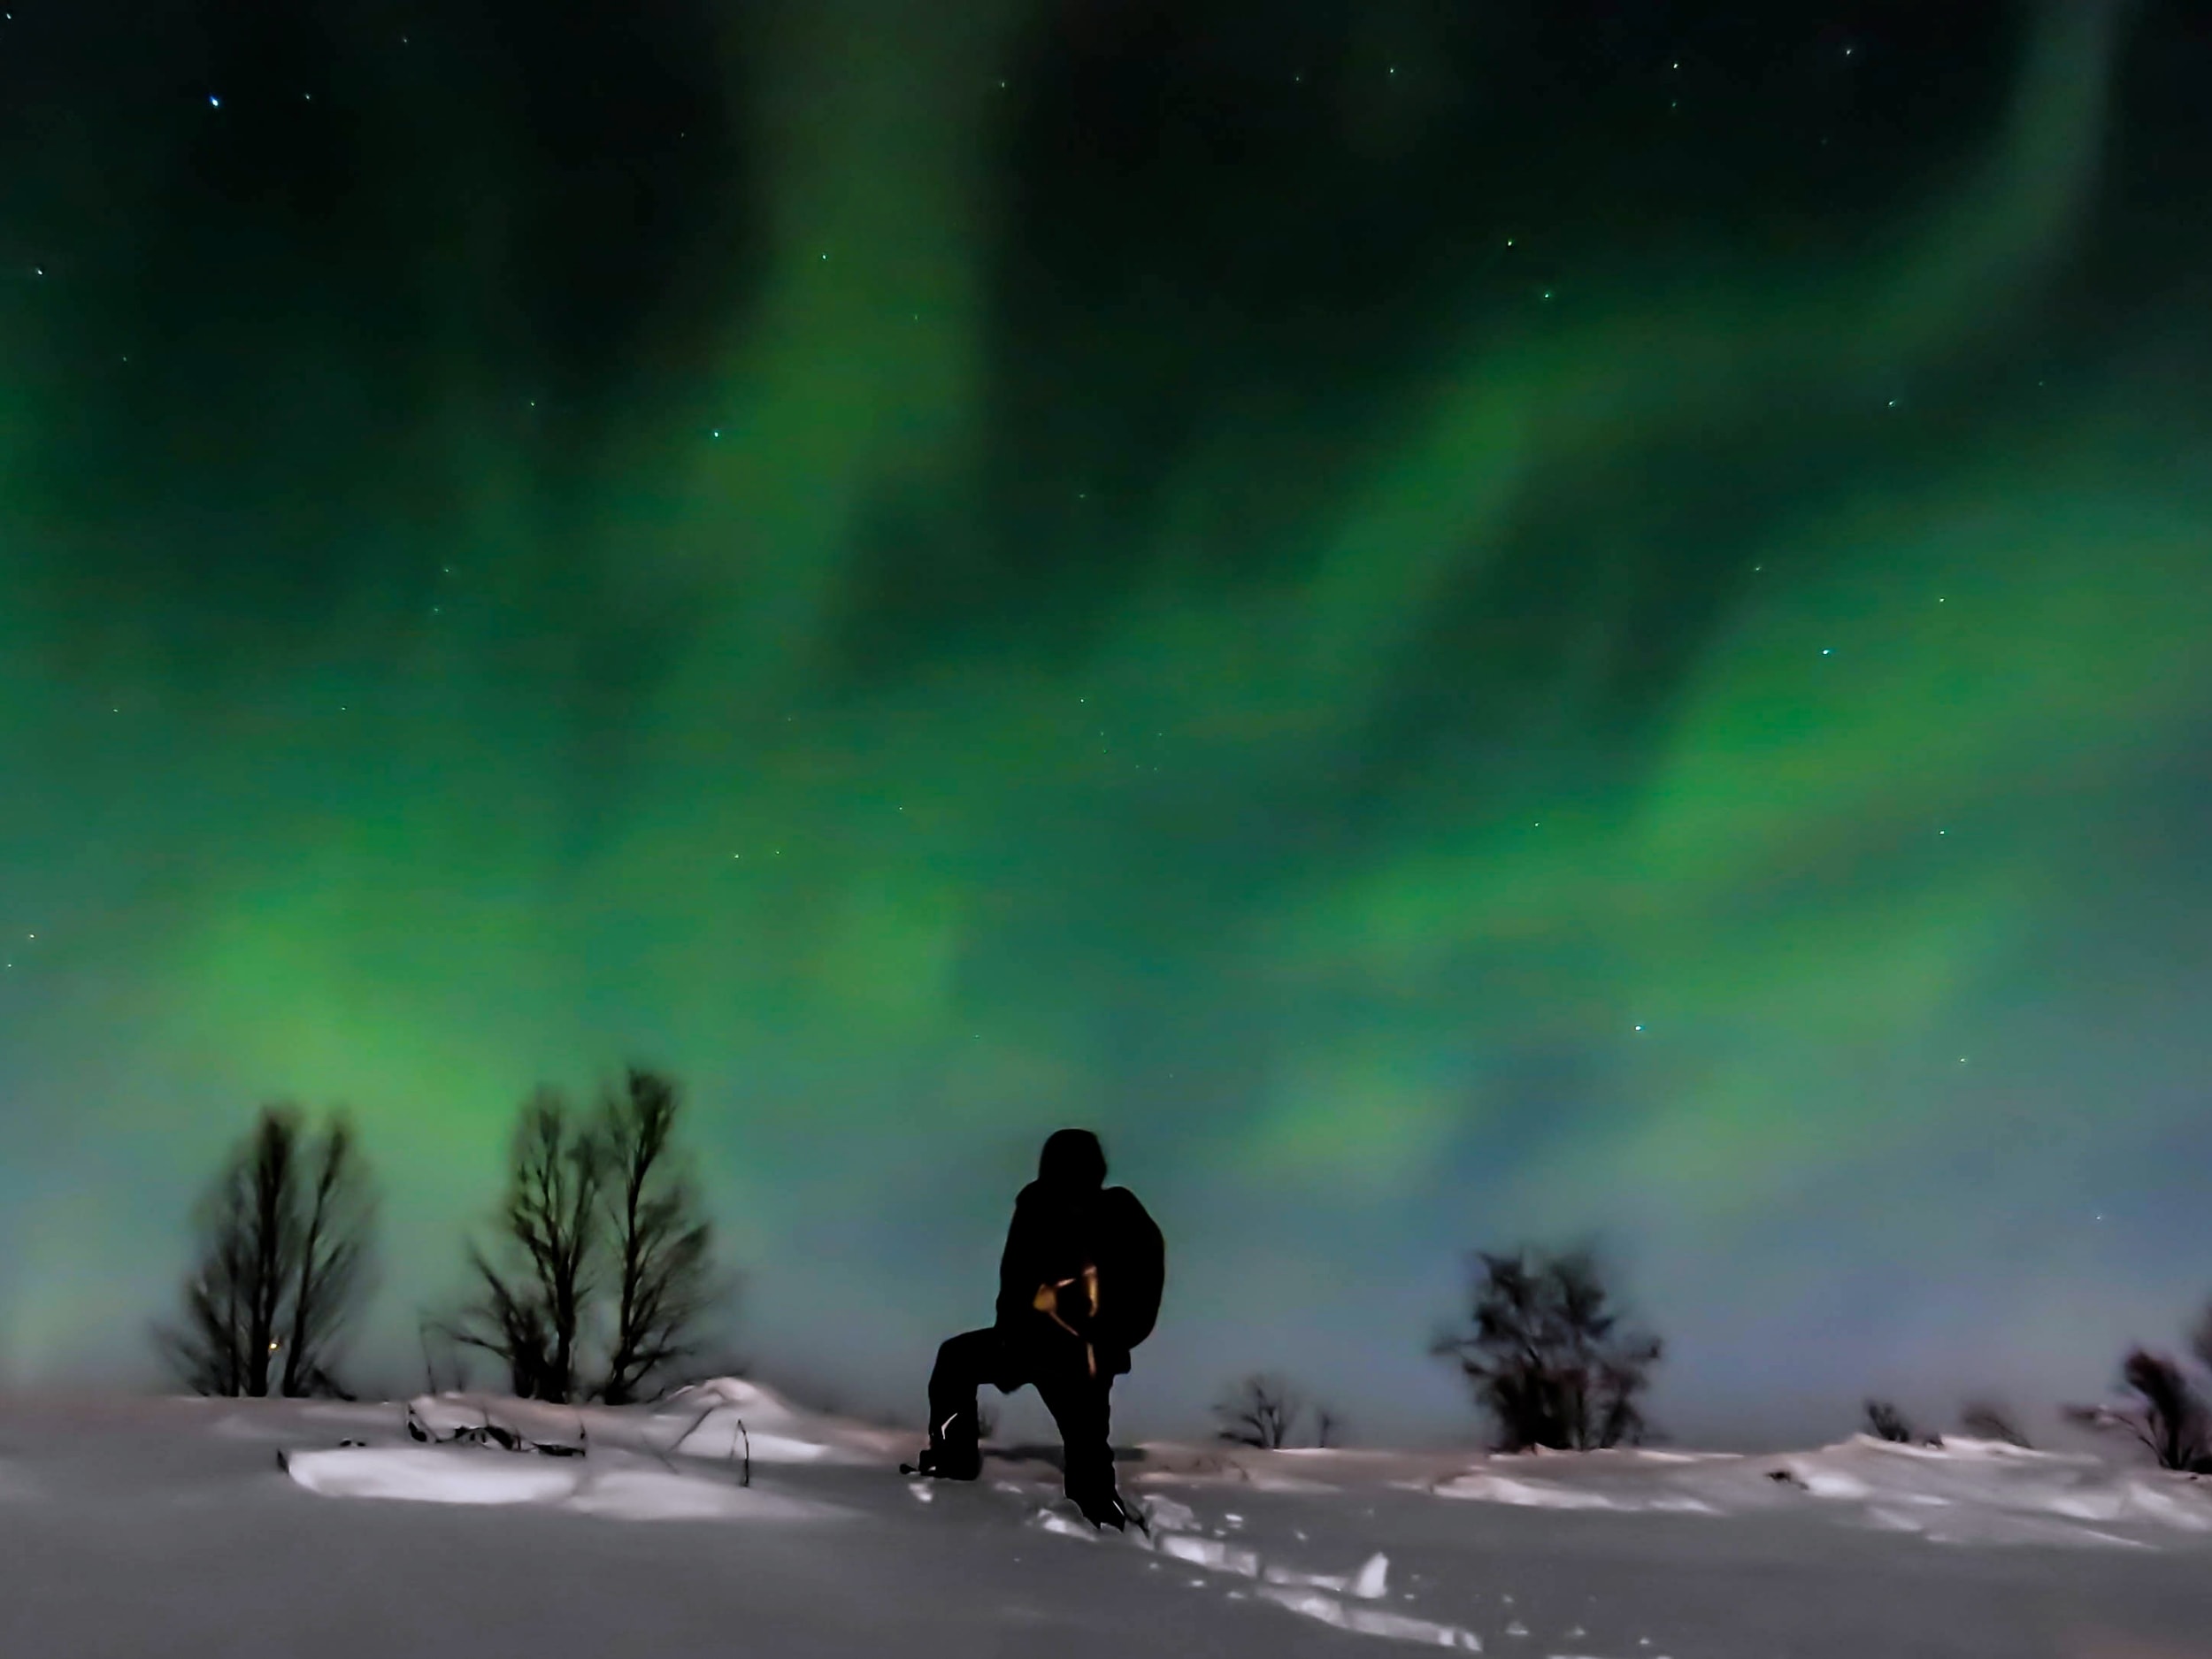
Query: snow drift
{"type": "Point", "coordinates": [1964, 1491]}
{"type": "Point", "coordinates": [471, 1474]}
{"type": "Point", "coordinates": [688, 1457]}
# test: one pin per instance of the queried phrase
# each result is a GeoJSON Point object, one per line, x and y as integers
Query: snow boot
{"type": "Point", "coordinates": [949, 1465]}
{"type": "Point", "coordinates": [1103, 1508]}
{"type": "Point", "coordinates": [951, 1458]}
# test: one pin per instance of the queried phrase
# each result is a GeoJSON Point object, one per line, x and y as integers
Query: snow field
{"type": "Point", "coordinates": [686, 1460]}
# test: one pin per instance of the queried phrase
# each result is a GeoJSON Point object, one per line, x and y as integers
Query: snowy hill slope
{"type": "Point", "coordinates": [171, 1528]}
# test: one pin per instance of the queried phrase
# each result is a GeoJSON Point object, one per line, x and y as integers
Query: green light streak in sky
{"type": "Point", "coordinates": [628, 792]}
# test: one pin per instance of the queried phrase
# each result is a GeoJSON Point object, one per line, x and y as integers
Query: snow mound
{"type": "Point", "coordinates": [477, 1475]}
{"type": "Point", "coordinates": [1168, 1515]}
{"type": "Point", "coordinates": [1065, 1526]}
{"type": "Point", "coordinates": [650, 1495]}
{"type": "Point", "coordinates": [432, 1475]}
{"type": "Point", "coordinates": [1987, 1492]}
{"type": "Point", "coordinates": [1370, 1583]}
{"type": "Point", "coordinates": [1547, 1495]}
{"type": "Point", "coordinates": [727, 1419]}
{"type": "Point", "coordinates": [1331, 1599]}
{"type": "Point", "coordinates": [1964, 1491]}
{"type": "Point", "coordinates": [704, 1421]}
{"type": "Point", "coordinates": [687, 1457]}
{"type": "Point", "coordinates": [1535, 1494]}
{"type": "Point", "coordinates": [1369, 1621]}
{"type": "Point", "coordinates": [1212, 1554]}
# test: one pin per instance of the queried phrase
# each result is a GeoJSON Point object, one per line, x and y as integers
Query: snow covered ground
{"type": "Point", "coordinates": [187, 1527]}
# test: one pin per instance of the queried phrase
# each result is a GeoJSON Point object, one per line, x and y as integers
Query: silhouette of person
{"type": "Point", "coordinates": [1079, 1287]}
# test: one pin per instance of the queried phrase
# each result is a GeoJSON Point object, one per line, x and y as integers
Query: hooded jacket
{"type": "Point", "coordinates": [1057, 1232]}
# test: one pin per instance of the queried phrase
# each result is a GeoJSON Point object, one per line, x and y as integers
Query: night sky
{"type": "Point", "coordinates": [1456, 622]}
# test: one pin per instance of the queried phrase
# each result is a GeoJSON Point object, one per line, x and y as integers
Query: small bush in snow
{"type": "Point", "coordinates": [1886, 1422]}
{"type": "Point", "coordinates": [1985, 1420]}
{"type": "Point", "coordinates": [2168, 1415]}
{"type": "Point", "coordinates": [1261, 1412]}
{"type": "Point", "coordinates": [1547, 1357]}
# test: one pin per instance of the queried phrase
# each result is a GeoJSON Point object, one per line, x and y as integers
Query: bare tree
{"type": "Point", "coordinates": [340, 1215]}
{"type": "Point", "coordinates": [659, 1238]}
{"type": "Point", "coordinates": [2167, 1417]}
{"type": "Point", "coordinates": [1886, 1422]}
{"type": "Point", "coordinates": [1987, 1420]}
{"type": "Point", "coordinates": [1328, 1426]}
{"type": "Point", "coordinates": [533, 1287]}
{"type": "Point", "coordinates": [285, 1234]}
{"type": "Point", "coordinates": [1547, 1357]}
{"type": "Point", "coordinates": [231, 1302]}
{"type": "Point", "coordinates": [1261, 1411]}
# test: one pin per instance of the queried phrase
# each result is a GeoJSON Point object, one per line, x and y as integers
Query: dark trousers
{"type": "Point", "coordinates": [1077, 1399]}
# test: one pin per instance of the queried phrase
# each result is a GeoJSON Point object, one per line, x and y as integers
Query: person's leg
{"type": "Point", "coordinates": [964, 1364]}
{"type": "Point", "coordinates": [1081, 1405]}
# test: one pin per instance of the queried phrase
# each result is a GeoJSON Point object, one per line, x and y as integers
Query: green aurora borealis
{"type": "Point", "coordinates": [1447, 641]}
